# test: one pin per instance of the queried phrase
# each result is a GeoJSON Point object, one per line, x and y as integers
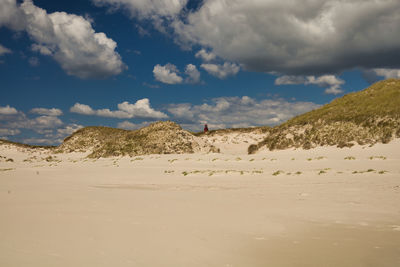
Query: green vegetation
{"type": "Point", "coordinates": [349, 158]}
{"type": "Point", "coordinates": [262, 129]}
{"type": "Point", "coordinates": [158, 138]}
{"type": "Point", "coordinates": [377, 157]}
{"type": "Point", "coordinates": [366, 117]}
{"type": "Point", "coordinates": [277, 173]}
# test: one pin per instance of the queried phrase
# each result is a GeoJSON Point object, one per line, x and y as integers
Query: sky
{"type": "Point", "coordinates": [65, 64]}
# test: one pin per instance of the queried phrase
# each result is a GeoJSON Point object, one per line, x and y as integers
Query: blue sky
{"type": "Point", "coordinates": [126, 63]}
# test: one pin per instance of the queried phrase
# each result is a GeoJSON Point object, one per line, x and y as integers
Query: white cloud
{"type": "Point", "coordinates": [7, 110]}
{"type": "Point", "coordinates": [68, 38]}
{"type": "Point", "coordinates": [47, 111]}
{"type": "Point", "coordinates": [387, 73]}
{"type": "Point", "coordinates": [43, 122]}
{"type": "Point", "coordinates": [221, 71]}
{"type": "Point", "coordinates": [82, 109]}
{"type": "Point", "coordinates": [68, 130]}
{"type": "Point", "coordinates": [332, 82]}
{"type": "Point", "coordinates": [4, 50]}
{"type": "Point", "coordinates": [8, 132]}
{"type": "Point", "coordinates": [205, 56]}
{"type": "Point", "coordinates": [167, 74]}
{"type": "Point", "coordinates": [10, 15]}
{"type": "Point", "coordinates": [126, 110]}
{"type": "Point", "coordinates": [243, 111]}
{"type": "Point", "coordinates": [41, 49]}
{"type": "Point", "coordinates": [127, 125]}
{"type": "Point", "coordinates": [298, 38]}
{"type": "Point", "coordinates": [192, 73]}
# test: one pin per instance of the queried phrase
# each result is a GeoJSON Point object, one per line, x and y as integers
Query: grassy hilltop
{"type": "Point", "coordinates": [158, 138]}
{"type": "Point", "coordinates": [366, 117]}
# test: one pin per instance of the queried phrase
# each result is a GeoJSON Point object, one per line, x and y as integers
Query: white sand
{"type": "Point", "coordinates": [202, 210]}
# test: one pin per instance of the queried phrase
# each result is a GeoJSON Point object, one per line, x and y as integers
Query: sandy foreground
{"type": "Point", "coordinates": [321, 207]}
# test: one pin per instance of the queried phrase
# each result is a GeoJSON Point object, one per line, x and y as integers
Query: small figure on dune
{"type": "Point", "coordinates": [205, 128]}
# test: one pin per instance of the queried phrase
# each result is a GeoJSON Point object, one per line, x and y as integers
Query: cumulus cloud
{"type": "Point", "coordinates": [68, 130]}
{"type": "Point", "coordinates": [82, 109]}
{"type": "Point", "coordinates": [7, 110]}
{"type": "Point", "coordinates": [47, 128]}
{"type": "Point", "coordinates": [332, 82]}
{"type": "Point", "coordinates": [9, 132]}
{"type": "Point", "coordinates": [221, 71]}
{"type": "Point", "coordinates": [205, 56]}
{"type": "Point", "coordinates": [167, 74]}
{"type": "Point", "coordinates": [4, 50]}
{"type": "Point", "coordinates": [126, 110]}
{"type": "Point", "coordinates": [47, 111]}
{"type": "Point", "coordinates": [227, 112]}
{"type": "Point", "coordinates": [11, 16]}
{"type": "Point", "coordinates": [297, 37]}
{"type": "Point", "coordinates": [68, 38]}
{"type": "Point", "coordinates": [387, 73]}
{"type": "Point", "coordinates": [193, 75]}
{"type": "Point", "coordinates": [41, 49]}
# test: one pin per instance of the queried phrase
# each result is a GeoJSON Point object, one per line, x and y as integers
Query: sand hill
{"type": "Point", "coordinates": [366, 117]}
{"type": "Point", "coordinates": [158, 138]}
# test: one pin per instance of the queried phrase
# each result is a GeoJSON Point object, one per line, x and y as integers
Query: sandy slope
{"type": "Point", "coordinates": [283, 208]}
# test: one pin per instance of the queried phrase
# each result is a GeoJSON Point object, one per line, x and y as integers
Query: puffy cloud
{"type": "Point", "coordinates": [192, 73]}
{"type": "Point", "coordinates": [47, 111]}
{"type": "Point", "coordinates": [205, 56]}
{"type": "Point", "coordinates": [127, 125]}
{"type": "Point", "coordinates": [68, 130]}
{"type": "Point", "coordinates": [7, 110]}
{"type": "Point", "coordinates": [167, 74]}
{"type": "Point", "coordinates": [297, 37]}
{"type": "Point", "coordinates": [68, 38]}
{"type": "Point", "coordinates": [10, 15]}
{"type": "Point", "coordinates": [82, 109]}
{"type": "Point", "coordinates": [48, 128]}
{"type": "Point", "coordinates": [387, 73]}
{"type": "Point", "coordinates": [41, 49]}
{"type": "Point", "coordinates": [243, 111]}
{"type": "Point", "coordinates": [332, 82]}
{"type": "Point", "coordinates": [221, 71]}
{"type": "Point", "coordinates": [126, 110]}
{"type": "Point", "coordinates": [4, 50]}
{"type": "Point", "coordinates": [72, 42]}
{"type": "Point", "coordinates": [43, 122]}
{"type": "Point", "coordinates": [8, 132]}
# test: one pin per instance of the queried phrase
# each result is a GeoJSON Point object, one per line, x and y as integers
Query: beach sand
{"type": "Point", "coordinates": [319, 207]}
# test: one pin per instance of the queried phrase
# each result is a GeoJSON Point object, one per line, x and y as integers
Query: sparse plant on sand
{"type": "Point", "coordinates": [277, 173]}
{"type": "Point", "coordinates": [349, 158]}
{"type": "Point", "coordinates": [172, 160]}
{"type": "Point", "coordinates": [377, 157]}
{"type": "Point", "coordinates": [382, 172]}
{"type": "Point", "coordinates": [298, 173]}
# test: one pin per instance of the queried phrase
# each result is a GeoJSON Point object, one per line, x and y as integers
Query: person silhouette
{"type": "Point", "coordinates": [205, 128]}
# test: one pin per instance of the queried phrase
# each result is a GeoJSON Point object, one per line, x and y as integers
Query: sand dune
{"type": "Point", "coordinates": [320, 207]}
